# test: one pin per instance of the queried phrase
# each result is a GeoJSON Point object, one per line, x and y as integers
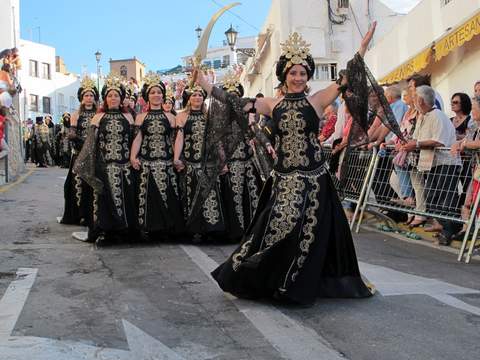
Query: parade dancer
{"type": "Point", "coordinates": [159, 210]}
{"type": "Point", "coordinates": [188, 156]}
{"type": "Point", "coordinates": [104, 163]}
{"type": "Point", "coordinates": [77, 193]}
{"type": "Point", "coordinates": [242, 183]}
{"type": "Point", "coordinates": [299, 245]}
{"type": "Point", "coordinates": [41, 140]}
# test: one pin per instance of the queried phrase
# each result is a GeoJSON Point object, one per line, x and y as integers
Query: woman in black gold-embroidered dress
{"type": "Point", "coordinates": [159, 208]}
{"type": "Point", "coordinates": [77, 193]}
{"type": "Point", "coordinates": [189, 156]}
{"type": "Point", "coordinates": [298, 246]}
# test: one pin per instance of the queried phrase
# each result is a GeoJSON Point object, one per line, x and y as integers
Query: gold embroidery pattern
{"type": "Point", "coordinates": [142, 196]}
{"type": "Point", "coordinates": [316, 146]}
{"type": "Point", "coordinates": [159, 172]}
{"type": "Point", "coordinates": [240, 255]}
{"type": "Point", "coordinates": [239, 152]}
{"type": "Point", "coordinates": [194, 140]}
{"type": "Point", "coordinates": [286, 210]}
{"type": "Point", "coordinates": [78, 189]}
{"type": "Point", "coordinates": [155, 146]}
{"type": "Point", "coordinates": [294, 141]}
{"type": "Point", "coordinates": [252, 188]}
{"type": "Point", "coordinates": [211, 212]}
{"type": "Point", "coordinates": [309, 225]}
{"type": "Point", "coordinates": [114, 174]}
{"type": "Point", "coordinates": [114, 140]}
{"type": "Point", "coordinates": [237, 171]}
{"type": "Point", "coordinates": [83, 122]}
{"type": "Point", "coordinates": [95, 207]}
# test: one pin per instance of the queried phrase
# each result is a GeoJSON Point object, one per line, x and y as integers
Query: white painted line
{"type": "Point", "coordinates": [14, 299]}
{"type": "Point", "coordinates": [291, 339]}
{"type": "Point", "coordinates": [390, 282]}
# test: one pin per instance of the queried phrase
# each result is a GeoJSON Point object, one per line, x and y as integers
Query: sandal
{"type": "Point", "coordinates": [414, 224]}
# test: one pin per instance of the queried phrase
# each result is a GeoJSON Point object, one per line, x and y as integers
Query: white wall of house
{"type": "Point", "coordinates": [429, 21]}
{"type": "Point", "coordinates": [54, 92]}
{"type": "Point", "coordinates": [9, 23]}
{"type": "Point", "coordinates": [332, 45]}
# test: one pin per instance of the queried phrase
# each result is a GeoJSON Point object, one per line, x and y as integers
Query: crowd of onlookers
{"type": "Point", "coordinates": [10, 63]}
{"type": "Point", "coordinates": [411, 173]}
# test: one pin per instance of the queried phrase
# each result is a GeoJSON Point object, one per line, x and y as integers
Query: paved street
{"type": "Point", "coordinates": [63, 299]}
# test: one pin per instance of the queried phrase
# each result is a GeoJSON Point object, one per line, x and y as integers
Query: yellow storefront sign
{"type": "Point", "coordinates": [411, 67]}
{"type": "Point", "coordinates": [457, 38]}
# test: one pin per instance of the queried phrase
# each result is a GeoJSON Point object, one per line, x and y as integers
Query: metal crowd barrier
{"type": "Point", "coordinates": [445, 192]}
{"type": "Point", "coordinates": [361, 164]}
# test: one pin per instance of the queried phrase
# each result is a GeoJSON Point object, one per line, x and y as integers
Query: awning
{"type": "Point", "coordinates": [438, 50]}
{"type": "Point", "coordinates": [458, 37]}
{"type": "Point", "coordinates": [409, 68]}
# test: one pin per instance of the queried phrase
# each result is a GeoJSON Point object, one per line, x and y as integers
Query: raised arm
{"type": "Point", "coordinates": [325, 97]}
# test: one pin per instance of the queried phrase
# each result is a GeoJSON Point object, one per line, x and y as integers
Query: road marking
{"type": "Point", "coordinates": [141, 345]}
{"type": "Point", "coordinates": [5, 188]}
{"type": "Point", "coordinates": [291, 339]}
{"type": "Point", "coordinates": [390, 282]}
{"type": "Point", "coordinates": [14, 299]}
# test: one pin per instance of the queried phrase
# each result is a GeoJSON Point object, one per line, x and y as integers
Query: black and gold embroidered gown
{"type": "Point", "coordinates": [114, 209]}
{"type": "Point", "coordinates": [241, 190]}
{"type": "Point", "coordinates": [77, 193]}
{"type": "Point", "coordinates": [158, 197]}
{"type": "Point", "coordinates": [299, 245]}
{"type": "Point", "coordinates": [211, 219]}
{"type": "Point", "coordinates": [41, 145]}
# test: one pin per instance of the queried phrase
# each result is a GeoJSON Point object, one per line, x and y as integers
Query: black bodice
{"type": "Point", "coordinates": [84, 118]}
{"type": "Point", "coordinates": [194, 132]}
{"type": "Point", "coordinates": [296, 127]}
{"type": "Point", "coordinates": [114, 138]}
{"type": "Point", "coordinates": [156, 132]}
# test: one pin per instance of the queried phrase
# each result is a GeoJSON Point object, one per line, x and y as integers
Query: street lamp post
{"type": "Point", "coordinates": [98, 56]}
{"type": "Point", "coordinates": [231, 35]}
{"type": "Point", "coordinates": [199, 30]}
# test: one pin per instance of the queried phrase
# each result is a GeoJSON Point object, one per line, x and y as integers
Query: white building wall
{"type": "Point", "coordinates": [9, 23]}
{"type": "Point", "coordinates": [330, 43]}
{"type": "Point", "coordinates": [59, 86]}
{"type": "Point", "coordinates": [429, 21]}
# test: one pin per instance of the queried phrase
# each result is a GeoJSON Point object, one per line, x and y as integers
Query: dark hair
{"type": "Point", "coordinates": [420, 79]}
{"type": "Point", "coordinates": [3, 111]}
{"type": "Point", "coordinates": [238, 90]}
{"type": "Point", "coordinates": [282, 69]}
{"type": "Point", "coordinates": [259, 95]}
{"type": "Point", "coordinates": [6, 67]}
{"type": "Point", "coordinates": [82, 107]}
{"type": "Point", "coordinates": [82, 92]}
{"type": "Point", "coordinates": [146, 90]}
{"type": "Point", "coordinates": [465, 102]}
{"type": "Point", "coordinates": [187, 93]}
{"type": "Point", "coordinates": [122, 92]}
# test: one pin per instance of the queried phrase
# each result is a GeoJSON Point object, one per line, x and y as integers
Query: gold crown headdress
{"type": "Point", "coordinates": [231, 81]}
{"type": "Point", "coordinates": [152, 79]}
{"type": "Point", "coordinates": [296, 50]}
{"type": "Point", "coordinates": [87, 84]}
{"type": "Point", "coordinates": [113, 82]}
{"type": "Point", "coordinates": [195, 88]}
{"type": "Point", "coordinates": [169, 94]}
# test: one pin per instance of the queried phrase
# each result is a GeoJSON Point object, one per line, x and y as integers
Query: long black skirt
{"type": "Point", "coordinates": [298, 246]}
{"type": "Point", "coordinates": [159, 207]}
{"type": "Point", "coordinates": [78, 197]}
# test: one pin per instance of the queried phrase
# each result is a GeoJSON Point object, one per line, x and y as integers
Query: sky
{"type": "Point", "coordinates": [157, 32]}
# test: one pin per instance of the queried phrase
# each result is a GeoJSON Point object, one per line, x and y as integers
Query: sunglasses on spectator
{"type": "Point", "coordinates": [455, 102]}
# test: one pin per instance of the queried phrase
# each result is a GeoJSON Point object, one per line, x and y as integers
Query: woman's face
{"type": "Point", "coordinates": [155, 96]}
{"type": "Point", "coordinates": [113, 99]}
{"type": "Point", "coordinates": [167, 106]}
{"type": "Point", "coordinates": [131, 103]}
{"type": "Point", "coordinates": [455, 104]}
{"type": "Point", "coordinates": [296, 79]}
{"type": "Point", "coordinates": [477, 89]}
{"type": "Point", "coordinates": [407, 98]}
{"type": "Point", "coordinates": [196, 100]}
{"type": "Point", "coordinates": [88, 99]}
{"type": "Point", "coordinates": [476, 111]}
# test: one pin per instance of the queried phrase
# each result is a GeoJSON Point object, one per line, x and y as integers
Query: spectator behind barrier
{"type": "Point", "coordinates": [330, 114]}
{"type": "Point", "coordinates": [417, 80]}
{"type": "Point", "coordinates": [476, 88]}
{"type": "Point", "coordinates": [470, 142]}
{"type": "Point", "coordinates": [461, 106]}
{"type": "Point", "coordinates": [3, 144]}
{"type": "Point", "coordinates": [441, 170]}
